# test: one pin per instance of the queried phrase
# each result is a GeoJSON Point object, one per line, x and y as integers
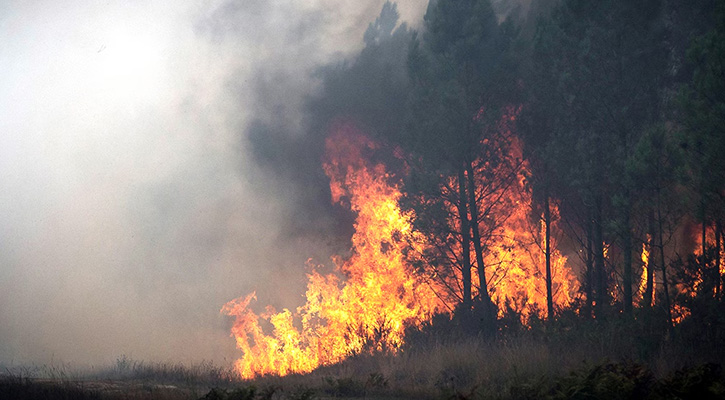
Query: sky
{"type": "Point", "coordinates": [130, 207]}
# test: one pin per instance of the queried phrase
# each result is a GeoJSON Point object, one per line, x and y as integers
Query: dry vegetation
{"type": "Point", "coordinates": [127, 379]}
{"type": "Point", "coordinates": [593, 362]}
{"type": "Point", "coordinates": [596, 361]}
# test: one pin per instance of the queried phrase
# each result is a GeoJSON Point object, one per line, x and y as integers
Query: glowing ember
{"type": "Point", "coordinates": [679, 313]}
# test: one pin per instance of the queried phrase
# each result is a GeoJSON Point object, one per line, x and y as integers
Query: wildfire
{"type": "Point", "coordinates": [367, 311]}
{"type": "Point", "coordinates": [711, 242]}
{"type": "Point", "coordinates": [513, 238]}
{"type": "Point", "coordinates": [375, 294]}
{"type": "Point", "coordinates": [702, 274]}
{"type": "Point", "coordinates": [517, 260]}
{"type": "Point", "coordinates": [645, 269]}
{"type": "Point", "coordinates": [519, 251]}
{"type": "Point", "coordinates": [707, 277]}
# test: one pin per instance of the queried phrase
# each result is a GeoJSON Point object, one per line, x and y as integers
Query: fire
{"type": "Point", "coordinates": [375, 294]}
{"type": "Point", "coordinates": [711, 242]}
{"type": "Point", "coordinates": [711, 267]}
{"type": "Point", "coordinates": [679, 313]}
{"type": "Point", "coordinates": [701, 275]}
{"type": "Point", "coordinates": [516, 260]}
{"type": "Point", "coordinates": [519, 273]}
{"type": "Point", "coordinates": [367, 311]}
{"type": "Point", "coordinates": [645, 268]}
{"type": "Point", "coordinates": [514, 242]}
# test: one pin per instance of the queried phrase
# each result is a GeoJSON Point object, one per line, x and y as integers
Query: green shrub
{"type": "Point", "coordinates": [704, 382]}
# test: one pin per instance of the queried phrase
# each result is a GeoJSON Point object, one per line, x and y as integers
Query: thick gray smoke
{"type": "Point", "coordinates": [368, 88]}
{"type": "Point", "coordinates": [131, 206]}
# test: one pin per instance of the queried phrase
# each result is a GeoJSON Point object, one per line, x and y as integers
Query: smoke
{"type": "Point", "coordinates": [367, 89]}
{"type": "Point", "coordinates": [134, 199]}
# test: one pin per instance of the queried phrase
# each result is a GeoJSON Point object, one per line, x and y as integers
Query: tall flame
{"type": "Point", "coordinates": [517, 260]}
{"type": "Point", "coordinates": [642, 289]}
{"type": "Point", "coordinates": [710, 242]}
{"type": "Point", "coordinates": [513, 242]}
{"type": "Point", "coordinates": [695, 283]}
{"type": "Point", "coordinates": [516, 257]}
{"type": "Point", "coordinates": [367, 311]}
{"type": "Point", "coordinates": [370, 299]}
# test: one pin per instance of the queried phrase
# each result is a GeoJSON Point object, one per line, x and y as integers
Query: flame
{"type": "Point", "coordinates": [370, 309]}
{"type": "Point", "coordinates": [690, 290]}
{"type": "Point", "coordinates": [514, 244]}
{"type": "Point", "coordinates": [711, 242]}
{"type": "Point", "coordinates": [375, 294]}
{"type": "Point", "coordinates": [517, 260]}
{"type": "Point", "coordinates": [645, 267]}
{"type": "Point", "coordinates": [679, 313]}
{"type": "Point", "coordinates": [520, 253]}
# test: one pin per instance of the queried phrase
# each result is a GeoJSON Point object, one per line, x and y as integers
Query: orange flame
{"type": "Point", "coordinates": [380, 297]}
{"type": "Point", "coordinates": [518, 265]}
{"type": "Point", "coordinates": [710, 242]}
{"type": "Point", "coordinates": [375, 294]}
{"type": "Point", "coordinates": [690, 290]}
{"type": "Point", "coordinates": [514, 243]}
{"type": "Point", "coordinates": [645, 270]}
{"type": "Point", "coordinates": [516, 257]}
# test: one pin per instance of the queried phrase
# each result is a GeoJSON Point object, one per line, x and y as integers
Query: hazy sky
{"type": "Point", "coordinates": [130, 211]}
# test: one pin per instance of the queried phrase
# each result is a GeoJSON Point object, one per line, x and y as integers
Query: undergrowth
{"type": "Point", "coordinates": [569, 358]}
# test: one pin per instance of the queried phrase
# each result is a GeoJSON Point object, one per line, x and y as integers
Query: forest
{"type": "Point", "coordinates": [588, 130]}
{"type": "Point", "coordinates": [545, 170]}
{"type": "Point", "coordinates": [604, 118]}
{"type": "Point", "coordinates": [527, 201]}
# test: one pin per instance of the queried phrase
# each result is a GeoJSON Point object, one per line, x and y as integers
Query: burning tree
{"type": "Point", "coordinates": [377, 293]}
{"type": "Point", "coordinates": [482, 187]}
{"type": "Point", "coordinates": [457, 163]}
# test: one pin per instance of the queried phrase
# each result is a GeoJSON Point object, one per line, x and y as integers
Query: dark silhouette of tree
{"type": "Point", "coordinates": [459, 78]}
{"type": "Point", "coordinates": [703, 119]}
{"type": "Point", "coordinates": [597, 90]}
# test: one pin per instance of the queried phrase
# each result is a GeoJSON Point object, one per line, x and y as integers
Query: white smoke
{"type": "Point", "coordinates": [129, 209]}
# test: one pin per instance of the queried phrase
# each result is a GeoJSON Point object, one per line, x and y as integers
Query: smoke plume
{"type": "Point", "coordinates": [140, 174]}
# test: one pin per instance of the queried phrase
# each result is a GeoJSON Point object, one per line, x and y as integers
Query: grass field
{"type": "Point", "coordinates": [598, 362]}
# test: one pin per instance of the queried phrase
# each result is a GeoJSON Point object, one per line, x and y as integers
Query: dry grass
{"type": "Point", "coordinates": [445, 367]}
{"type": "Point", "coordinates": [551, 361]}
{"type": "Point", "coordinates": [126, 379]}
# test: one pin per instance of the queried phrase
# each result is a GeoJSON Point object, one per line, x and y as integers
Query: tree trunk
{"type": "Point", "coordinates": [704, 270]}
{"type": "Point", "coordinates": [627, 250]}
{"type": "Point", "coordinates": [710, 267]}
{"type": "Point", "coordinates": [665, 285]}
{"type": "Point", "coordinates": [600, 275]}
{"type": "Point", "coordinates": [465, 241]}
{"type": "Point", "coordinates": [478, 246]}
{"type": "Point", "coordinates": [547, 255]}
{"type": "Point", "coordinates": [718, 282]}
{"type": "Point", "coordinates": [649, 286]}
{"type": "Point", "coordinates": [589, 284]}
